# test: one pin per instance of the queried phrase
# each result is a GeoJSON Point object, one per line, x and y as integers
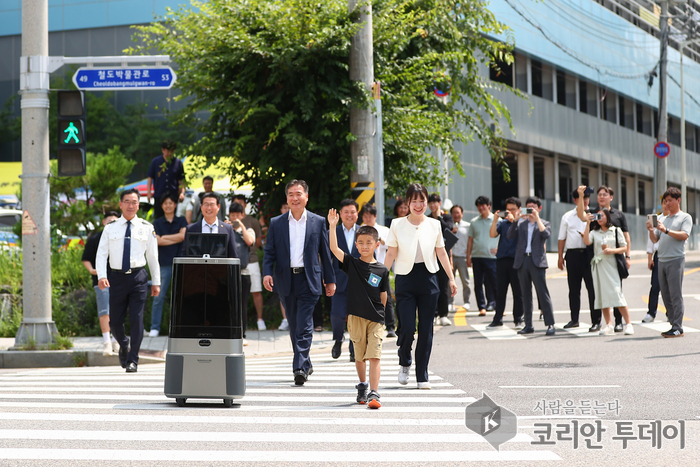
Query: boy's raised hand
{"type": "Point", "coordinates": [333, 217]}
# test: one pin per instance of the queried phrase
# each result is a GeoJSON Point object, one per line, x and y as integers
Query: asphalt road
{"type": "Point", "coordinates": [102, 416]}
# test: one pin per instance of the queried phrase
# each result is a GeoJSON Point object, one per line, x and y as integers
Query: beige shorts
{"type": "Point", "coordinates": [366, 336]}
{"type": "Point", "coordinates": [255, 279]}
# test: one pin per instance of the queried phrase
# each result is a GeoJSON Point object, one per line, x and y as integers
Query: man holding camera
{"type": "Point", "coordinates": [618, 219]}
{"type": "Point", "coordinates": [671, 235]}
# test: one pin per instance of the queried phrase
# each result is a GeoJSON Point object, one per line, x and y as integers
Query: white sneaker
{"type": "Point", "coordinates": [245, 342]}
{"type": "Point", "coordinates": [261, 325]}
{"type": "Point", "coordinates": [115, 346]}
{"type": "Point", "coordinates": [444, 321]}
{"type": "Point", "coordinates": [629, 330]}
{"type": "Point", "coordinates": [106, 348]}
{"type": "Point", "coordinates": [154, 333]}
{"type": "Point", "coordinates": [607, 331]}
{"type": "Point", "coordinates": [403, 375]}
{"type": "Point", "coordinates": [466, 306]}
{"type": "Point", "coordinates": [284, 325]}
{"type": "Point", "coordinates": [648, 319]}
{"type": "Point", "coordinates": [451, 308]}
{"type": "Point", "coordinates": [424, 385]}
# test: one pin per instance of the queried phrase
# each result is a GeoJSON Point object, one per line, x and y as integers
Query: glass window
{"type": "Point", "coordinates": [501, 71]}
{"type": "Point", "coordinates": [521, 72]}
{"type": "Point", "coordinates": [642, 200]}
{"type": "Point", "coordinates": [536, 72]}
{"type": "Point", "coordinates": [538, 162]}
{"type": "Point", "coordinates": [566, 183]}
{"type": "Point", "coordinates": [623, 193]}
{"type": "Point", "coordinates": [583, 96]}
{"type": "Point", "coordinates": [585, 176]}
{"type": "Point", "coordinates": [674, 131]}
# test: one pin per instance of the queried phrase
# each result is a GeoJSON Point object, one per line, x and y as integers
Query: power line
{"type": "Point", "coordinates": [582, 60]}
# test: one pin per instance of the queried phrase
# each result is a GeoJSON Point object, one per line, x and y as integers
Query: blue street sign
{"type": "Point", "coordinates": [124, 78]}
{"type": "Point", "coordinates": [662, 149]}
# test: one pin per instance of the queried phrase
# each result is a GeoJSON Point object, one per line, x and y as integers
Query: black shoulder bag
{"type": "Point", "coordinates": [621, 260]}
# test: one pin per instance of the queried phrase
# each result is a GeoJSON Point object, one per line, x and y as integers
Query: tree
{"type": "Point", "coordinates": [274, 77]}
{"type": "Point", "coordinates": [79, 201]}
{"type": "Point", "coordinates": [10, 124]}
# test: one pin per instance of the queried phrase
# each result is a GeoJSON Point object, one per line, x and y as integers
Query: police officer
{"type": "Point", "coordinates": [128, 242]}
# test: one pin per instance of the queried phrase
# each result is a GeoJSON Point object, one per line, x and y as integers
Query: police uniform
{"type": "Point", "coordinates": [128, 280]}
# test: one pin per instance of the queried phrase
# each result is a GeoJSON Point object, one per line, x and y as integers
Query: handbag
{"type": "Point", "coordinates": [620, 259]}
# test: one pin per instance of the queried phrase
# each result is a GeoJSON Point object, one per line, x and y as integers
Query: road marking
{"type": "Point", "coordinates": [460, 317]}
{"type": "Point", "coordinates": [255, 390]}
{"type": "Point", "coordinates": [663, 327]}
{"type": "Point", "coordinates": [561, 387]}
{"type": "Point", "coordinates": [581, 330]}
{"type": "Point", "coordinates": [660, 307]}
{"type": "Point", "coordinates": [691, 271]}
{"type": "Point", "coordinates": [502, 333]}
{"type": "Point", "coordinates": [249, 437]}
{"type": "Point", "coordinates": [334, 457]}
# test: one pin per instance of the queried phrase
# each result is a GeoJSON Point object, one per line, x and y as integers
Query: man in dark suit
{"type": "Point", "coordinates": [531, 262]}
{"type": "Point", "coordinates": [211, 224]}
{"type": "Point", "coordinates": [346, 241]}
{"type": "Point", "coordinates": [298, 256]}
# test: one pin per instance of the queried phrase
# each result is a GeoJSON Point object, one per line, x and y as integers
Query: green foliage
{"type": "Point", "coordinates": [274, 76]}
{"type": "Point", "coordinates": [61, 343]}
{"type": "Point", "coordinates": [79, 201]}
{"type": "Point", "coordinates": [11, 125]}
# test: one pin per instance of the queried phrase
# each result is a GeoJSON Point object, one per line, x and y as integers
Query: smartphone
{"type": "Point", "coordinates": [503, 214]}
{"type": "Point", "coordinates": [598, 216]}
{"type": "Point", "coordinates": [236, 224]}
{"type": "Point", "coordinates": [654, 219]}
{"type": "Point", "coordinates": [528, 211]}
{"type": "Point", "coordinates": [588, 191]}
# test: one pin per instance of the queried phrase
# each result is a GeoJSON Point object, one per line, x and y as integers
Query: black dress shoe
{"type": "Point", "coordinates": [337, 347]}
{"type": "Point", "coordinates": [132, 367]}
{"type": "Point", "coordinates": [619, 328]}
{"type": "Point", "coordinates": [123, 353]}
{"type": "Point", "coordinates": [571, 324]}
{"type": "Point", "coordinates": [311, 370]}
{"type": "Point", "coordinates": [594, 328]}
{"type": "Point", "coordinates": [300, 377]}
{"type": "Point", "coordinates": [550, 330]}
{"type": "Point", "coordinates": [527, 330]}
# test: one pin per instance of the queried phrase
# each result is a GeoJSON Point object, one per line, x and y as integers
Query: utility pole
{"type": "Point", "coordinates": [362, 124]}
{"type": "Point", "coordinates": [661, 163]}
{"type": "Point", "coordinates": [36, 242]}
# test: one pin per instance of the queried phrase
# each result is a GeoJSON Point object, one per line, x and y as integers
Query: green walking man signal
{"type": "Point", "coordinates": [72, 133]}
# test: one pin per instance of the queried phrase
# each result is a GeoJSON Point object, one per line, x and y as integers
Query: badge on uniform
{"type": "Point", "coordinates": [154, 233]}
{"type": "Point", "coordinates": [374, 280]}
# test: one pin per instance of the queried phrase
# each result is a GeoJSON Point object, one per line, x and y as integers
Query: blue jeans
{"type": "Point", "coordinates": [166, 273]}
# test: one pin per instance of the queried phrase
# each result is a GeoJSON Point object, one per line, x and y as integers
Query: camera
{"type": "Point", "coordinates": [503, 214]}
{"type": "Point", "coordinates": [598, 216]}
{"type": "Point", "coordinates": [528, 211]}
{"type": "Point", "coordinates": [588, 190]}
{"type": "Point", "coordinates": [654, 219]}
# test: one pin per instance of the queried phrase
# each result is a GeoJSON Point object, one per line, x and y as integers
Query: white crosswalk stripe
{"type": "Point", "coordinates": [67, 415]}
{"type": "Point", "coordinates": [507, 333]}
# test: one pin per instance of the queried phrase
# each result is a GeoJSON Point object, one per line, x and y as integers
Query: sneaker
{"type": "Point", "coordinates": [373, 400]}
{"type": "Point", "coordinates": [261, 325]}
{"type": "Point", "coordinates": [673, 333]}
{"type": "Point", "coordinates": [154, 333]}
{"type": "Point", "coordinates": [444, 321]}
{"type": "Point", "coordinates": [629, 330]}
{"type": "Point", "coordinates": [284, 325]}
{"type": "Point", "coordinates": [318, 328]}
{"type": "Point", "coordinates": [423, 384]}
{"type": "Point", "coordinates": [606, 331]}
{"type": "Point", "coordinates": [390, 333]}
{"type": "Point", "coordinates": [519, 324]}
{"type": "Point", "coordinates": [115, 346]}
{"type": "Point", "coordinates": [362, 393]}
{"type": "Point", "coordinates": [403, 375]}
{"type": "Point", "coordinates": [648, 319]}
{"type": "Point", "coordinates": [619, 328]}
{"type": "Point", "coordinates": [467, 306]}
{"type": "Point", "coordinates": [107, 348]}
{"type": "Point", "coordinates": [451, 308]}
{"type": "Point", "coordinates": [245, 342]}
{"type": "Point", "coordinates": [494, 325]}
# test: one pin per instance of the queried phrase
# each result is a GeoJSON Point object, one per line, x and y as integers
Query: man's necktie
{"type": "Point", "coordinates": [126, 256]}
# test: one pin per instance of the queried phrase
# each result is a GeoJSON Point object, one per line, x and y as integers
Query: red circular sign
{"type": "Point", "coordinates": [662, 149]}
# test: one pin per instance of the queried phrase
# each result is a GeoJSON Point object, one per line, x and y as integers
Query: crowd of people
{"type": "Point", "coordinates": [347, 257]}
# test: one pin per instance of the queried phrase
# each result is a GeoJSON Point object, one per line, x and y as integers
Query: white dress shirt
{"type": "Point", "coordinates": [410, 238]}
{"type": "Point", "coordinates": [460, 248]}
{"type": "Point", "coordinates": [214, 226]}
{"type": "Point", "coordinates": [144, 247]}
{"type": "Point", "coordinates": [383, 235]}
{"type": "Point", "coordinates": [297, 237]}
{"type": "Point", "coordinates": [530, 231]}
{"type": "Point", "coordinates": [569, 230]}
{"type": "Point", "coordinates": [349, 236]}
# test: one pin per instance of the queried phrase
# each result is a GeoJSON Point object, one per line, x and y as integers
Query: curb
{"type": "Point", "coordinates": [65, 358]}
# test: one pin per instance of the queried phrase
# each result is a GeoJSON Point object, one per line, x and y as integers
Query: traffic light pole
{"type": "Point", "coordinates": [36, 325]}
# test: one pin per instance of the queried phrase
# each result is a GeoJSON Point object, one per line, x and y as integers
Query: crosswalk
{"type": "Point", "coordinates": [98, 414]}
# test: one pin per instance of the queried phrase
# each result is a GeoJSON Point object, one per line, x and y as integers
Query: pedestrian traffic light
{"type": "Point", "coordinates": [71, 133]}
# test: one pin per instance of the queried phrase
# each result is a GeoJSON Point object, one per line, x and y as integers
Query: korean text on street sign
{"type": "Point", "coordinates": [662, 149]}
{"type": "Point", "coordinates": [124, 78]}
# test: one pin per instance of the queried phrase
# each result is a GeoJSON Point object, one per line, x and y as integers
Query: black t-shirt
{"type": "Point", "coordinates": [90, 253]}
{"type": "Point", "coordinates": [366, 281]}
{"type": "Point", "coordinates": [617, 218]}
{"type": "Point", "coordinates": [163, 227]}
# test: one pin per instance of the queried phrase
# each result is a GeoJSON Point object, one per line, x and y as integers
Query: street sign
{"type": "Point", "coordinates": [662, 149]}
{"type": "Point", "coordinates": [124, 78]}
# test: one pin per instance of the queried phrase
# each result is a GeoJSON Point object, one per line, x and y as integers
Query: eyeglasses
{"type": "Point", "coordinates": [130, 203]}
{"type": "Point", "coordinates": [208, 205]}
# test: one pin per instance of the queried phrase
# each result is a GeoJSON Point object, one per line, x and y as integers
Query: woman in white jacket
{"type": "Point", "coordinates": [415, 242]}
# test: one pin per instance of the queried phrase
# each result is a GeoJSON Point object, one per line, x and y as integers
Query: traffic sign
{"type": "Point", "coordinates": [662, 149]}
{"type": "Point", "coordinates": [124, 78]}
